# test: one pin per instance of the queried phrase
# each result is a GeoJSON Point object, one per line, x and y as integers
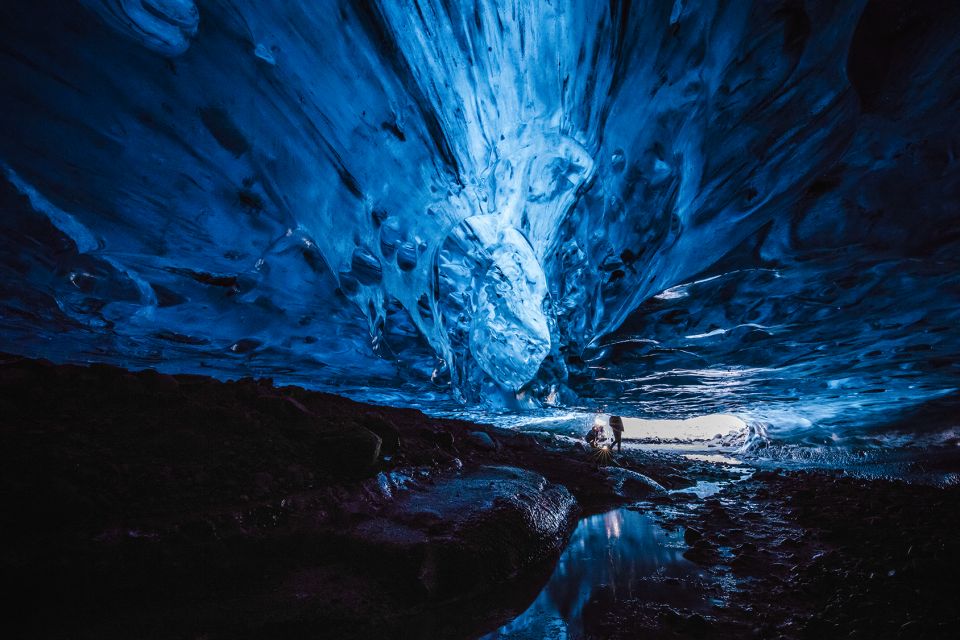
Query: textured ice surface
{"type": "Point", "coordinates": [664, 208]}
{"type": "Point", "coordinates": [165, 26]}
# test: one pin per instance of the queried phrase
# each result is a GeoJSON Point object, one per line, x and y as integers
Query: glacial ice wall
{"type": "Point", "coordinates": [670, 207]}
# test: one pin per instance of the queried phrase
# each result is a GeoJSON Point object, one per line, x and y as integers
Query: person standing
{"type": "Point", "coordinates": [616, 425]}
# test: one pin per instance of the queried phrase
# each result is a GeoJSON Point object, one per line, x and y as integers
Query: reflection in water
{"type": "Point", "coordinates": [615, 556]}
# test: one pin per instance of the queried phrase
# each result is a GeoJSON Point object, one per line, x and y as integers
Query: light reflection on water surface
{"type": "Point", "coordinates": [613, 557]}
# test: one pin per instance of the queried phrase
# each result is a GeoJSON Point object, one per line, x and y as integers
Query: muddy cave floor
{"type": "Point", "coordinates": [156, 506]}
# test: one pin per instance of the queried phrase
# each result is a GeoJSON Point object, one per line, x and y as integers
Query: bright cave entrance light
{"type": "Point", "coordinates": [721, 428]}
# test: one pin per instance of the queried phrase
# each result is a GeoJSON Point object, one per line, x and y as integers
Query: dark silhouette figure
{"type": "Point", "coordinates": [616, 424]}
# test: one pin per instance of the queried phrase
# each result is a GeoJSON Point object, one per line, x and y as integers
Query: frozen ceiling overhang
{"type": "Point", "coordinates": [681, 206]}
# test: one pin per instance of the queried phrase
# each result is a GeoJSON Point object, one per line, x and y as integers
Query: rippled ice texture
{"type": "Point", "coordinates": [663, 208]}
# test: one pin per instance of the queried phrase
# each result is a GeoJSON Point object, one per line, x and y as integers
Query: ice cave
{"type": "Point", "coordinates": [480, 318]}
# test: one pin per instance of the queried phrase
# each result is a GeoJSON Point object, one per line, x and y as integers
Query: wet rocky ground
{"type": "Point", "coordinates": [809, 555]}
{"type": "Point", "coordinates": [150, 505]}
{"type": "Point", "coordinates": [155, 506]}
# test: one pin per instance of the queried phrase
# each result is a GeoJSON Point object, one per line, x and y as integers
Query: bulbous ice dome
{"type": "Point", "coordinates": [671, 207]}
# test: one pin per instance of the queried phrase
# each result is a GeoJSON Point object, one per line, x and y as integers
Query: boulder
{"type": "Point", "coordinates": [388, 433]}
{"type": "Point", "coordinates": [630, 484]}
{"type": "Point", "coordinates": [481, 440]}
{"type": "Point", "coordinates": [460, 535]}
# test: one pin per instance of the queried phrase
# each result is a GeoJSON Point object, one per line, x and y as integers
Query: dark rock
{"type": "Point", "coordinates": [767, 475]}
{"type": "Point", "coordinates": [677, 481]}
{"type": "Point", "coordinates": [702, 552]}
{"type": "Point", "coordinates": [386, 430]}
{"type": "Point", "coordinates": [481, 439]}
{"type": "Point", "coordinates": [630, 484]}
{"type": "Point", "coordinates": [495, 521]}
{"type": "Point", "coordinates": [444, 439]}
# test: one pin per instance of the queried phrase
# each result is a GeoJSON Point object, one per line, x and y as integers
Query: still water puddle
{"type": "Point", "coordinates": [612, 557]}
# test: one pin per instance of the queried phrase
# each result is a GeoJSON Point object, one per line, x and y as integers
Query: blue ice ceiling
{"type": "Point", "coordinates": [670, 207]}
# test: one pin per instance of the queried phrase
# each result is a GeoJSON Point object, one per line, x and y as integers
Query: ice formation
{"type": "Point", "coordinates": [671, 207]}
